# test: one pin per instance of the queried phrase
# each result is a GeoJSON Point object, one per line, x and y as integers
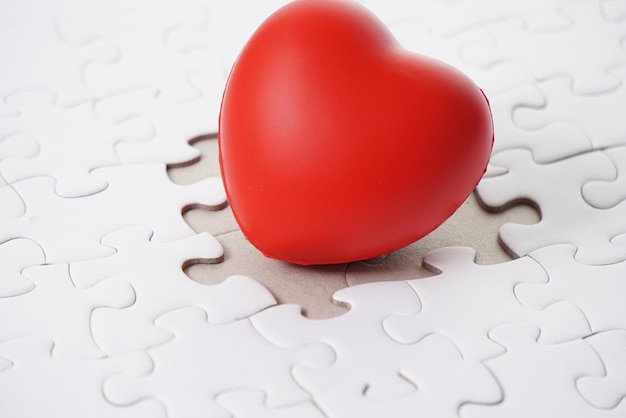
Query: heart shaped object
{"type": "Point", "coordinates": [338, 145]}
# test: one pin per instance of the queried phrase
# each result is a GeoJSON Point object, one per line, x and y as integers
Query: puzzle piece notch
{"type": "Point", "coordinates": [155, 271]}
{"type": "Point", "coordinates": [540, 379]}
{"type": "Point", "coordinates": [444, 381]}
{"type": "Point", "coordinates": [467, 300]}
{"type": "Point", "coordinates": [603, 194]}
{"type": "Point", "coordinates": [580, 284]}
{"type": "Point", "coordinates": [61, 134]}
{"type": "Point", "coordinates": [607, 391]}
{"type": "Point", "coordinates": [208, 360]}
{"type": "Point", "coordinates": [586, 52]}
{"type": "Point", "coordinates": [367, 358]}
{"type": "Point", "coordinates": [56, 309]}
{"type": "Point", "coordinates": [15, 256]}
{"type": "Point", "coordinates": [602, 129]}
{"type": "Point", "coordinates": [552, 187]}
{"type": "Point", "coordinates": [34, 371]}
{"type": "Point", "coordinates": [137, 195]}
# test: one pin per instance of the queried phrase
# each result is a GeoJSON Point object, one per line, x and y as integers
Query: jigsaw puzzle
{"type": "Point", "coordinates": [127, 288]}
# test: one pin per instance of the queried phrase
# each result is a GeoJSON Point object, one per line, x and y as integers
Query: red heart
{"type": "Point", "coordinates": [338, 145]}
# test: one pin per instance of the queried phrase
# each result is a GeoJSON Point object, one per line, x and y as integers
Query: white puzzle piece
{"type": "Point", "coordinates": [547, 143]}
{"type": "Point", "coordinates": [145, 59]}
{"type": "Point", "coordinates": [608, 391]}
{"type": "Point", "coordinates": [602, 129]}
{"type": "Point", "coordinates": [174, 124]}
{"type": "Point", "coordinates": [155, 271]}
{"type": "Point", "coordinates": [204, 360]}
{"type": "Point", "coordinates": [62, 134]}
{"type": "Point", "coordinates": [35, 57]}
{"type": "Point", "coordinates": [137, 195]}
{"type": "Point", "coordinates": [467, 300]}
{"type": "Point", "coordinates": [597, 290]}
{"type": "Point", "coordinates": [613, 10]}
{"type": "Point", "coordinates": [98, 98]}
{"type": "Point", "coordinates": [566, 218]}
{"type": "Point", "coordinates": [365, 354]}
{"type": "Point", "coordinates": [443, 379]}
{"type": "Point", "coordinates": [586, 52]}
{"type": "Point", "coordinates": [38, 384]}
{"type": "Point", "coordinates": [540, 379]}
{"type": "Point", "coordinates": [56, 309]}
{"type": "Point", "coordinates": [15, 256]}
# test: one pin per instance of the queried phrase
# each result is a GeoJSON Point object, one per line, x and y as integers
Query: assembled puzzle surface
{"type": "Point", "coordinates": [127, 289]}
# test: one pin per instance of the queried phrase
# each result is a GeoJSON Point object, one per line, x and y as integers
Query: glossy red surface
{"type": "Point", "coordinates": [338, 145]}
